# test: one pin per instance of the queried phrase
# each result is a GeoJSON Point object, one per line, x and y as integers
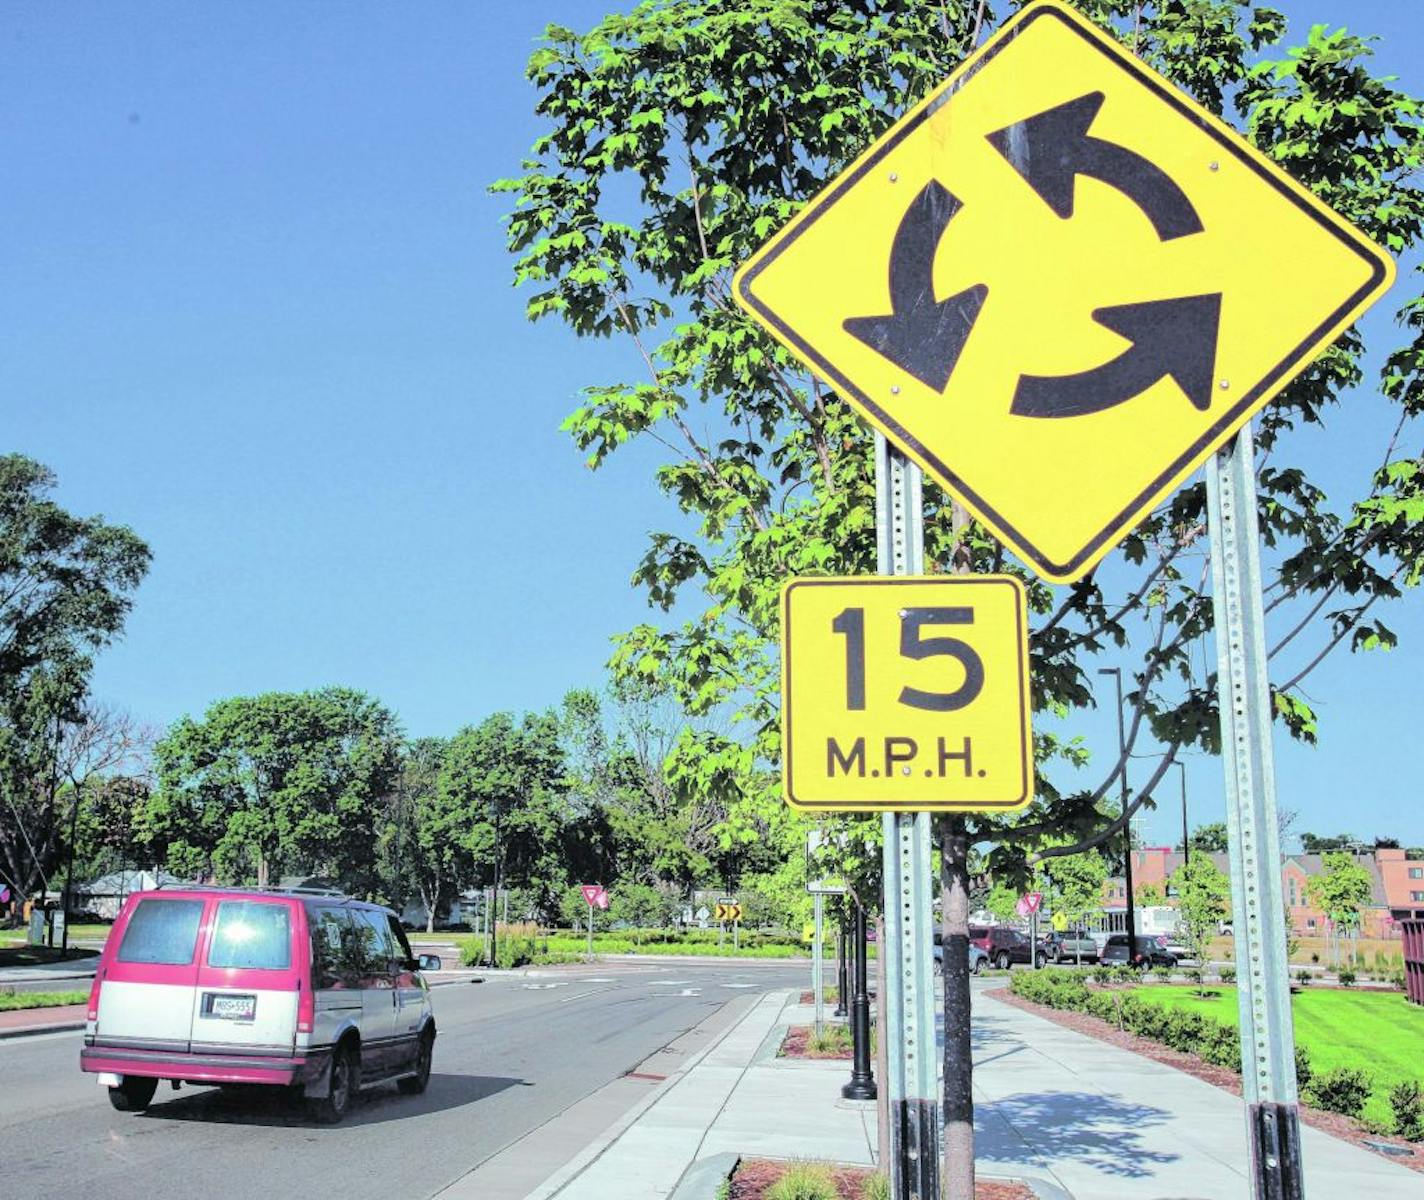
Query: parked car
{"type": "Point", "coordinates": [978, 956]}
{"type": "Point", "coordinates": [1071, 945]}
{"type": "Point", "coordinates": [1147, 952]}
{"type": "Point", "coordinates": [1005, 945]}
{"type": "Point", "coordinates": [296, 989]}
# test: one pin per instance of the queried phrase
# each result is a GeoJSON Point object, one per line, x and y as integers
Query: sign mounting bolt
{"type": "Point", "coordinates": [1224, 384]}
{"type": "Point", "coordinates": [1216, 166]}
{"type": "Point", "coordinates": [894, 389]}
{"type": "Point", "coordinates": [894, 178]}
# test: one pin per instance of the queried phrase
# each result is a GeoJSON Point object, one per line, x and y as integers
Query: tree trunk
{"type": "Point", "coordinates": [957, 1172]}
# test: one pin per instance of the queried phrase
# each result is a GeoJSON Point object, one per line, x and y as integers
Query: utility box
{"type": "Point", "coordinates": [1414, 959]}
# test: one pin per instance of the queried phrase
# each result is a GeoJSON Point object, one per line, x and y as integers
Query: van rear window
{"type": "Point", "coordinates": [162, 931]}
{"type": "Point", "coordinates": [251, 934]}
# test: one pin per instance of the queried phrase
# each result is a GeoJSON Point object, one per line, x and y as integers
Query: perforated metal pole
{"type": "Point", "coordinates": [1267, 1037]}
{"type": "Point", "coordinates": [909, 929]}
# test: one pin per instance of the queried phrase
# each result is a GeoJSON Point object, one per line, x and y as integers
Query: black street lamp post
{"type": "Point", "coordinates": [862, 1083]}
{"type": "Point", "coordinates": [1116, 672]}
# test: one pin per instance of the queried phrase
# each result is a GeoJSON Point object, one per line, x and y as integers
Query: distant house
{"type": "Point", "coordinates": [105, 896]}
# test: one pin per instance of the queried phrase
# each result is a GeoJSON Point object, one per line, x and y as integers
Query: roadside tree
{"type": "Point", "coordinates": [1341, 891]}
{"type": "Point", "coordinates": [1203, 898]}
{"type": "Point", "coordinates": [66, 587]}
{"type": "Point", "coordinates": [282, 782]}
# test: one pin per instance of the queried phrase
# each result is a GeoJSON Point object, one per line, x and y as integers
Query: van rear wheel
{"type": "Point", "coordinates": [345, 1074]}
{"type": "Point", "coordinates": [133, 1095]}
{"type": "Point", "coordinates": [413, 1085]}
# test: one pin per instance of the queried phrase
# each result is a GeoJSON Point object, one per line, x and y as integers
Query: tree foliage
{"type": "Point", "coordinates": [1203, 894]}
{"type": "Point", "coordinates": [281, 782]}
{"type": "Point", "coordinates": [680, 135]}
{"type": "Point", "coordinates": [66, 586]}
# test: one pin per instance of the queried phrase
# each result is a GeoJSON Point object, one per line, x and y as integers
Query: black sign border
{"type": "Point", "coordinates": [1024, 798]}
{"type": "Point", "coordinates": [912, 446]}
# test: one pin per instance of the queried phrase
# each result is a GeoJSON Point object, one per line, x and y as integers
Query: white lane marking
{"type": "Point", "coordinates": [667, 982]}
{"type": "Point", "coordinates": [738, 985]}
{"type": "Point", "coordinates": [600, 980]}
{"type": "Point", "coordinates": [539, 987]}
{"type": "Point", "coordinates": [684, 992]}
{"type": "Point", "coordinates": [581, 995]}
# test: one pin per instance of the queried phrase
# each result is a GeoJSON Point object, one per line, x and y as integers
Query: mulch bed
{"type": "Point", "coordinates": [809, 997]}
{"type": "Point", "coordinates": [797, 1044]}
{"type": "Point", "coordinates": [754, 1175]}
{"type": "Point", "coordinates": [1334, 1124]}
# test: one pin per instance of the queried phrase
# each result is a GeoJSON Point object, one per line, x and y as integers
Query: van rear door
{"type": "Point", "coordinates": [148, 985]}
{"type": "Point", "coordinates": [249, 979]}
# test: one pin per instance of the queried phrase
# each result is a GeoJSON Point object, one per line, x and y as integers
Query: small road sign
{"type": "Point", "coordinates": [1029, 903]}
{"type": "Point", "coordinates": [703, 913]}
{"type": "Point", "coordinates": [1059, 922]}
{"type": "Point", "coordinates": [728, 910]}
{"type": "Point", "coordinates": [1059, 284]}
{"type": "Point", "coordinates": [595, 895]}
{"type": "Point", "coordinates": [905, 693]}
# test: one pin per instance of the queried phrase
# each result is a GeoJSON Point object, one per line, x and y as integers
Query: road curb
{"type": "Point", "coordinates": [33, 1030]}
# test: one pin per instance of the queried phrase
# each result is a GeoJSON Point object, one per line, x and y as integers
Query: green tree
{"type": "Point", "coordinates": [1314, 843]}
{"type": "Point", "coordinates": [680, 135]}
{"type": "Point", "coordinates": [66, 587]}
{"type": "Point", "coordinates": [425, 848]}
{"type": "Point", "coordinates": [1341, 891]}
{"type": "Point", "coordinates": [282, 782]}
{"type": "Point", "coordinates": [1001, 901]}
{"type": "Point", "coordinates": [1210, 837]}
{"type": "Point", "coordinates": [1075, 883]}
{"type": "Point", "coordinates": [506, 781]}
{"type": "Point", "coordinates": [1149, 893]}
{"type": "Point", "coordinates": [1203, 893]}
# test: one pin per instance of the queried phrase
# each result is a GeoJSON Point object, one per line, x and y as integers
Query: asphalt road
{"type": "Point", "coordinates": [511, 1053]}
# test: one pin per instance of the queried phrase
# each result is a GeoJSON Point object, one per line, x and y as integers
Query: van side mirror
{"type": "Point", "coordinates": [428, 962]}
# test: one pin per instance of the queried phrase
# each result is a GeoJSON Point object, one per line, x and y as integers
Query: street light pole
{"type": "Point", "coordinates": [1186, 838]}
{"type": "Point", "coordinates": [1116, 672]}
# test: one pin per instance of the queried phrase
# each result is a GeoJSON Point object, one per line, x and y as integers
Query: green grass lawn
{"type": "Point", "coordinates": [12, 1000]}
{"type": "Point", "coordinates": [1379, 1032]}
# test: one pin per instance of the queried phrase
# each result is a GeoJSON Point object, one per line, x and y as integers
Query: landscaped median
{"type": "Point", "coordinates": [10, 999]}
{"type": "Point", "coordinates": [521, 945]}
{"type": "Point", "coordinates": [1358, 1054]}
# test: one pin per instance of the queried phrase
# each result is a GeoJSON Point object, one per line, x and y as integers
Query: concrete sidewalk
{"type": "Point", "coordinates": [1108, 1124]}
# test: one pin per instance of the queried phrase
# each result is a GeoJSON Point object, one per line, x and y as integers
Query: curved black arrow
{"type": "Point", "coordinates": [1051, 149]}
{"type": "Point", "coordinates": [922, 336]}
{"type": "Point", "coordinates": [1174, 338]}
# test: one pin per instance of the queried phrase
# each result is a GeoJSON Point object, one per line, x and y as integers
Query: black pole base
{"type": "Point", "coordinates": [859, 1089]}
{"type": "Point", "coordinates": [1275, 1152]}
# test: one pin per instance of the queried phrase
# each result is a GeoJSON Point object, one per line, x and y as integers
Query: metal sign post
{"type": "Point", "coordinates": [909, 917]}
{"type": "Point", "coordinates": [817, 962]}
{"type": "Point", "coordinates": [1263, 996]}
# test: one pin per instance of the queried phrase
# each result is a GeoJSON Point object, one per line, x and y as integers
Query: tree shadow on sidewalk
{"type": "Point", "coordinates": [1090, 1128]}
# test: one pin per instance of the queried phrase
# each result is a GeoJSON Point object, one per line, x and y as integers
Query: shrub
{"type": "Point", "coordinates": [1227, 974]}
{"type": "Point", "coordinates": [876, 1187]}
{"type": "Point", "coordinates": [1407, 1101]}
{"type": "Point", "coordinates": [833, 1039]}
{"type": "Point", "coordinates": [1346, 977]}
{"type": "Point", "coordinates": [1194, 976]}
{"type": "Point", "coordinates": [1396, 980]}
{"type": "Point", "coordinates": [1102, 974]}
{"type": "Point", "coordinates": [804, 1181]}
{"type": "Point", "coordinates": [1161, 974]}
{"type": "Point", "coordinates": [1315, 958]}
{"type": "Point", "coordinates": [1103, 1005]}
{"type": "Point", "coordinates": [1344, 1090]}
{"type": "Point", "coordinates": [1303, 977]}
{"type": "Point", "coordinates": [1125, 975]}
{"type": "Point", "coordinates": [1304, 1072]}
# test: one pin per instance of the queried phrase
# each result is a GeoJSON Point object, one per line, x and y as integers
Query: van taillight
{"type": "Point", "coordinates": [93, 1013]}
{"type": "Point", "coordinates": [306, 1008]}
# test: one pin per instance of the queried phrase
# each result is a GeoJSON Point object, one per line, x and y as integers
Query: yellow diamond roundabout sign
{"type": "Point", "coordinates": [1059, 284]}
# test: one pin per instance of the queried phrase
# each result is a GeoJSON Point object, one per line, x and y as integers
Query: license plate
{"type": "Point", "coordinates": [232, 1008]}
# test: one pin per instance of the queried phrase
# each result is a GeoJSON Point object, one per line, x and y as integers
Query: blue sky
{"type": "Point", "coordinates": [256, 304]}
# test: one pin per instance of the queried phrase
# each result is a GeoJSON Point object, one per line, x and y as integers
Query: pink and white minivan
{"type": "Point", "coordinates": [308, 991]}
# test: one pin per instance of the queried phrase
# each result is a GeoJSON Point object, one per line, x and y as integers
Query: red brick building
{"type": "Point", "coordinates": [1396, 886]}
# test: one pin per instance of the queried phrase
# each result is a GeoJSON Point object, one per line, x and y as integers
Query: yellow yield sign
{"type": "Point", "coordinates": [1059, 284]}
{"type": "Point", "coordinates": [904, 693]}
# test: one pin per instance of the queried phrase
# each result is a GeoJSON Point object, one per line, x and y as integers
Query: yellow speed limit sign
{"type": "Point", "coordinates": [905, 693]}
